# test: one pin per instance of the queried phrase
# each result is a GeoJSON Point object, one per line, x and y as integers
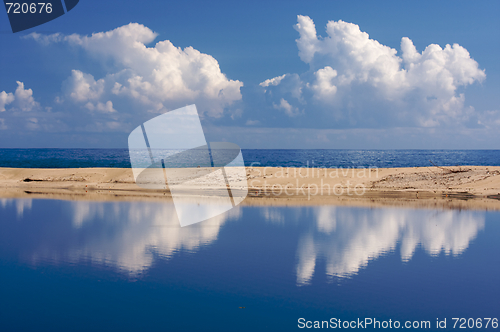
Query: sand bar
{"type": "Point", "coordinates": [464, 187]}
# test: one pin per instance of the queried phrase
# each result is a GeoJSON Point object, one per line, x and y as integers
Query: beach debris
{"type": "Point", "coordinates": [32, 180]}
{"type": "Point", "coordinates": [449, 170]}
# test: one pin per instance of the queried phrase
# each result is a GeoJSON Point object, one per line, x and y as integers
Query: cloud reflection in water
{"type": "Point", "coordinates": [348, 239]}
{"type": "Point", "coordinates": [124, 235]}
{"type": "Point", "coordinates": [127, 235]}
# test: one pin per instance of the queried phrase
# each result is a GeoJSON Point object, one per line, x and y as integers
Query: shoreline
{"type": "Point", "coordinates": [465, 187]}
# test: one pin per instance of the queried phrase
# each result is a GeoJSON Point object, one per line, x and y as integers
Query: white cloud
{"type": "Point", "coordinates": [5, 99]}
{"type": "Point", "coordinates": [272, 81]}
{"type": "Point", "coordinates": [159, 78]}
{"type": "Point", "coordinates": [20, 111]}
{"type": "Point", "coordinates": [106, 108]}
{"type": "Point", "coordinates": [308, 40]}
{"type": "Point", "coordinates": [323, 87]}
{"type": "Point", "coordinates": [45, 39]}
{"type": "Point", "coordinates": [362, 82]}
{"type": "Point", "coordinates": [82, 87]}
{"type": "Point", "coordinates": [21, 100]}
{"type": "Point", "coordinates": [287, 108]}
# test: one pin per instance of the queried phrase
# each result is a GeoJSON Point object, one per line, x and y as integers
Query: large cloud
{"type": "Point", "coordinates": [157, 79]}
{"type": "Point", "coordinates": [355, 81]}
{"type": "Point", "coordinates": [354, 91]}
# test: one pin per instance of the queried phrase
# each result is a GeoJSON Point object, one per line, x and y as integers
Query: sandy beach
{"type": "Point", "coordinates": [464, 187]}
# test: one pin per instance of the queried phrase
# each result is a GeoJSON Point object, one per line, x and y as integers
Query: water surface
{"type": "Point", "coordinates": [128, 266]}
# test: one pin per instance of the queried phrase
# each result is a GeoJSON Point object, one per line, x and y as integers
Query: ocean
{"type": "Point", "coordinates": [80, 158]}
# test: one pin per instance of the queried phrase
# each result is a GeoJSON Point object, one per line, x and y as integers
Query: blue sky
{"type": "Point", "coordinates": [340, 89]}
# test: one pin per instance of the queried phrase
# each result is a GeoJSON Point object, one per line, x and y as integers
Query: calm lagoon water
{"type": "Point", "coordinates": [128, 266]}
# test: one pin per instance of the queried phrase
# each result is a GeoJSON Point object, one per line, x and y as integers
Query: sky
{"type": "Point", "coordinates": [280, 74]}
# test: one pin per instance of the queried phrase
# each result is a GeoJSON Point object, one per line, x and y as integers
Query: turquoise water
{"type": "Point", "coordinates": [128, 266]}
{"type": "Point", "coordinates": [74, 158]}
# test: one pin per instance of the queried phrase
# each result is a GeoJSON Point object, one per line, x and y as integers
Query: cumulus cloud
{"type": "Point", "coordinates": [158, 78]}
{"type": "Point", "coordinates": [19, 107]}
{"type": "Point", "coordinates": [106, 108]}
{"type": "Point", "coordinates": [82, 87]}
{"type": "Point", "coordinates": [5, 99]}
{"type": "Point", "coordinates": [21, 114]}
{"type": "Point", "coordinates": [359, 82]}
{"type": "Point", "coordinates": [21, 100]}
{"type": "Point", "coordinates": [355, 89]}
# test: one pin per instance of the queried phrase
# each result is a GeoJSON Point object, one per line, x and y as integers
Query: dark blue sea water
{"type": "Point", "coordinates": [128, 266]}
{"type": "Point", "coordinates": [74, 158]}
